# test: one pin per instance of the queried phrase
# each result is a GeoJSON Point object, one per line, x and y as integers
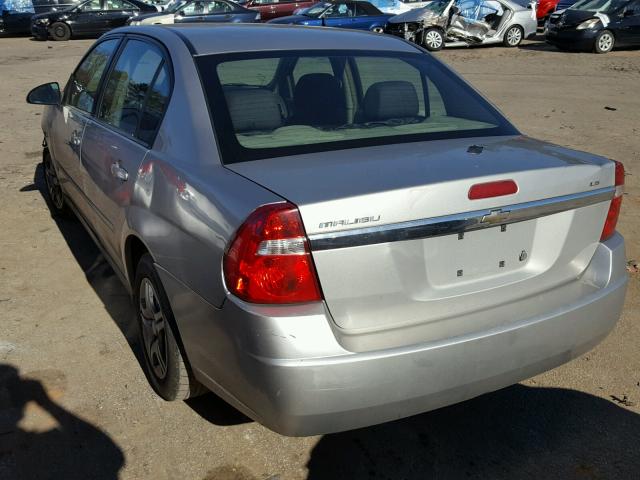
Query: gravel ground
{"type": "Point", "coordinates": [74, 402]}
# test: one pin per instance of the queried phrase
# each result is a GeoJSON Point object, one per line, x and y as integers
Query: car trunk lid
{"type": "Point", "coordinates": [397, 241]}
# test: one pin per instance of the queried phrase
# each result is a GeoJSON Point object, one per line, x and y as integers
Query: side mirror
{"type": "Point", "coordinates": [455, 10]}
{"type": "Point", "coordinates": [179, 13]}
{"type": "Point", "coordinates": [46, 94]}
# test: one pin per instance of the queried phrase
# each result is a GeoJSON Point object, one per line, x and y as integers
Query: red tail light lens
{"type": "Point", "coordinates": [614, 209]}
{"type": "Point", "coordinates": [268, 261]}
{"type": "Point", "coordinates": [492, 189]}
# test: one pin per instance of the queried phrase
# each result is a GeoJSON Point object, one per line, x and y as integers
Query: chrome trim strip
{"type": "Point", "coordinates": [458, 223]}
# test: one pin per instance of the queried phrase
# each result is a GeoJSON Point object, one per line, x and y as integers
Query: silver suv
{"type": "Point", "coordinates": [329, 229]}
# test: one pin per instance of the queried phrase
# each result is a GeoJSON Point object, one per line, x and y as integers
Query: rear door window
{"type": "Point", "coordinates": [84, 83]}
{"type": "Point", "coordinates": [137, 77]}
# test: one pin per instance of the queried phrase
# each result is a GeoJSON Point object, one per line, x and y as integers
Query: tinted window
{"type": "Point", "coordinates": [92, 6]}
{"type": "Point", "coordinates": [118, 5]}
{"type": "Point", "coordinates": [257, 72]}
{"type": "Point", "coordinates": [83, 85]}
{"type": "Point", "coordinates": [367, 9]}
{"type": "Point", "coordinates": [154, 106]}
{"type": "Point", "coordinates": [340, 10]}
{"type": "Point", "coordinates": [366, 99]}
{"type": "Point", "coordinates": [127, 85]}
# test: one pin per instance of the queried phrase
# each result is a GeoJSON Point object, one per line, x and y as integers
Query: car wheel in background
{"type": "Point", "coordinates": [604, 42]}
{"type": "Point", "coordinates": [60, 31]}
{"type": "Point", "coordinates": [432, 39]}
{"type": "Point", "coordinates": [57, 203]}
{"type": "Point", "coordinates": [513, 36]}
{"type": "Point", "coordinates": [165, 363]}
{"type": "Point", "coordinates": [377, 30]}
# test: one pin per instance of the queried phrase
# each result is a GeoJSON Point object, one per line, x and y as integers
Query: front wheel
{"type": "Point", "coordinates": [604, 42]}
{"type": "Point", "coordinates": [513, 36]}
{"type": "Point", "coordinates": [165, 364]}
{"type": "Point", "coordinates": [60, 31]}
{"type": "Point", "coordinates": [432, 39]}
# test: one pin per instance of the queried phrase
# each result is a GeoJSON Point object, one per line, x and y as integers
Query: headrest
{"type": "Point", "coordinates": [387, 100]}
{"type": "Point", "coordinates": [253, 109]}
{"type": "Point", "coordinates": [319, 100]}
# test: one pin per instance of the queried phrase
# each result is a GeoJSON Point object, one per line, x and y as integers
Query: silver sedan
{"type": "Point", "coordinates": [327, 228]}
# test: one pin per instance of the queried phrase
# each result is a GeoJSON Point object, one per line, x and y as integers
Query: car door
{"type": "Point", "coordinates": [117, 139]}
{"type": "Point", "coordinates": [267, 8]}
{"type": "Point", "coordinates": [629, 29]}
{"type": "Point", "coordinates": [218, 11]}
{"type": "Point", "coordinates": [192, 12]}
{"type": "Point", "coordinates": [87, 19]}
{"type": "Point", "coordinates": [67, 127]}
{"type": "Point", "coordinates": [117, 12]}
{"type": "Point", "coordinates": [340, 14]}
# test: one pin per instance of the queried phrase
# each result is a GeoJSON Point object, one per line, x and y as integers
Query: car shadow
{"type": "Point", "coordinates": [71, 448]}
{"type": "Point", "coordinates": [518, 432]}
{"type": "Point", "coordinates": [117, 301]}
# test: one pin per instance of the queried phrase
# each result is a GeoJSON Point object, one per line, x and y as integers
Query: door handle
{"type": "Point", "coordinates": [75, 139]}
{"type": "Point", "coordinates": [118, 172]}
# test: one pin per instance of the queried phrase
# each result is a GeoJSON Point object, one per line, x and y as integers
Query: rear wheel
{"type": "Point", "coordinates": [513, 36]}
{"type": "Point", "coordinates": [57, 202]}
{"type": "Point", "coordinates": [604, 42]}
{"type": "Point", "coordinates": [60, 31]}
{"type": "Point", "coordinates": [165, 364]}
{"type": "Point", "coordinates": [432, 39]}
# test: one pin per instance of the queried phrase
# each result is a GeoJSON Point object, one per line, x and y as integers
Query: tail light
{"type": "Point", "coordinates": [268, 260]}
{"type": "Point", "coordinates": [616, 203]}
{"type": "Point", "coordinates": [492, 189]}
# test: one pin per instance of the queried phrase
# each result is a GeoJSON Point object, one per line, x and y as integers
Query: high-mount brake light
{"type": "Point", "coordinates": [614, 208]}
{"type": "Point", "coordinates": [269, 260]}
{"type": "Point", "coordinates": [492, 189]}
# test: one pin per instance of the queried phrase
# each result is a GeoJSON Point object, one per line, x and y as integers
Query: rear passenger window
{"type": "Point", "coordinates": [83, 85]}
{"type": "Point", "coordinates": [136, 78]}
{"type": "Point", "coordinates": [155, 105]}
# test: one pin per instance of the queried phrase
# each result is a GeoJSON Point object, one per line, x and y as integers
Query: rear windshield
{"type": "Point", "coordinates": [275, 104]}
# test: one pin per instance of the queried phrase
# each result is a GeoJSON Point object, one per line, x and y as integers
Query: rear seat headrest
{"type": "Point", "coordinates": [253, 109]}
{"type": "Point", "coordinates": [387, 100]}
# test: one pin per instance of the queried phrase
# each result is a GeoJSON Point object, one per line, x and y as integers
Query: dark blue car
{"type": "Point", "coordinates": [356, 15]}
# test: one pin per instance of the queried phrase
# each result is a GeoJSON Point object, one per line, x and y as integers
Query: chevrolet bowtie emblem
{"type": "Point", "coordinates": [496, 217]}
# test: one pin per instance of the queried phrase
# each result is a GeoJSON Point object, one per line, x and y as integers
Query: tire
{"type": "Point", "coordinates": [513, 36]}
{"type": "Point", "coordinates": [164, 358]}
{"type": "Point", "coordinates": [60, 32]}
{"type": "Point", "coordinates": [55, 195]}
{"type": "Point", "coordinates": [604, 42]}
{"type": "Point", "coordinates": [432, 39]}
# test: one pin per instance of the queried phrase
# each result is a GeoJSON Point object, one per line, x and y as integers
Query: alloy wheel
{"type": "Point", "coordinates": [433, 39]}
{"type": "Point", "coordinates": [154, 329]}
{"type": "Point", "coordinates": [514, 36]}
{"type": "Point", "coordinates": [53, 185]}
{"type": "Point", "coordinates": [605, 42]}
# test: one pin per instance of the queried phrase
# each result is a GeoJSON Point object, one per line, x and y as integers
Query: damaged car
{"type": "Point", "coordinates": [465, 22]}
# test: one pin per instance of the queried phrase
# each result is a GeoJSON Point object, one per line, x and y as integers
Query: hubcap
{"type": "Point", "coordinates": [154, 329]}
{"type": "Point", "coordinates": [605, 42]}
{"type": "Point", "coordinates": [60, 32]}
{"type": "Point", "coordinates": [53, 185]}
{"type": "Point", "coordinates": [433, 40]}
{"type": "Point", "coordinates": [514, 36]}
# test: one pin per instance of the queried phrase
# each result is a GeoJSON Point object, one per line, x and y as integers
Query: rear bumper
{"type": "Point", "coordinates": [292, 374]}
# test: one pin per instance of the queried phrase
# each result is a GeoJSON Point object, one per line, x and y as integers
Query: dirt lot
{"type": "Point", "coordinates": [74, 402]}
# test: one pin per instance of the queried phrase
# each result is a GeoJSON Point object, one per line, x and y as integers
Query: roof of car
{"type": "Point", "coordinates": [203, 39]}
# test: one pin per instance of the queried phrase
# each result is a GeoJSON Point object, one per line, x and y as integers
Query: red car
{"type": "Point", "coordinates": [276, 8]}
{"type": "Point", "coordinates": [545, 8]}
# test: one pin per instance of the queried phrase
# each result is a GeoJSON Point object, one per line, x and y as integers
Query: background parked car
{"type": "Point", "coordinates": [90, 18]}
{"type": "Point", "coordinates": [595, 25]}
{"type": "Point", "coordinates": [15, 15]}
{"type": "Point", "coordinates": [355, 15]}
{"type": "Point", "coordinates": [199, 11]}
{"type": "Point", "coordinates": [544, 9]}
{"type": "Point", "coordinates": [270, 9]}
{"type": "Point", "coordinates": [465, 22]}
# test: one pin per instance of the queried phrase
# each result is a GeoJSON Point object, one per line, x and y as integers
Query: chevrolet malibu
{"type": "Point", "coordinates": [328, 228]}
